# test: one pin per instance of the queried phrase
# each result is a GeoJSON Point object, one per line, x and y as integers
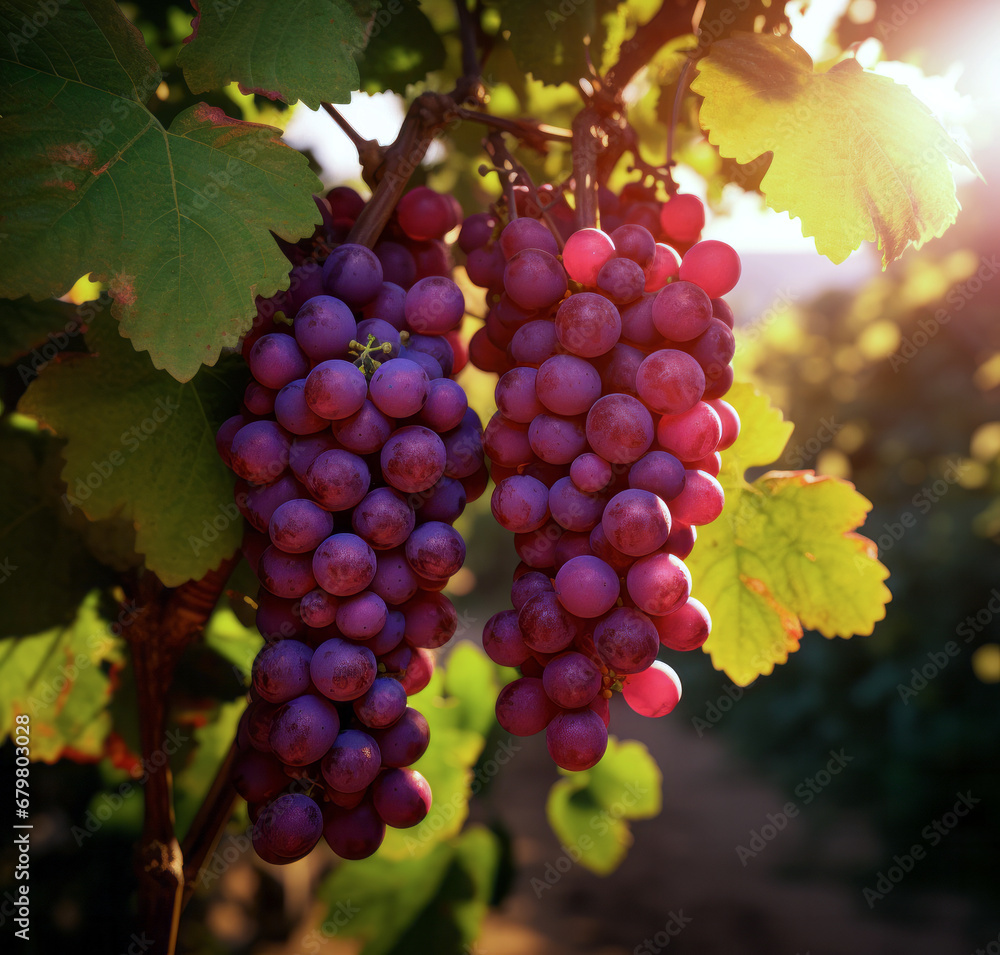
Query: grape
{"type": "Point", "coordinates": [286, 575]}
{"type": "Point", "coordinates": [637, 322]}
{"type": "Point", "coordinates": [477, 230]}
{"type": "Point", "coordinates": [390, 636]}
{"type": "Point", "coordinates": [534, 279]}
{"type": "Point", "coordinates": [713, 349]}
{"type": "Point", "coordinates": [281, 670]}
{"type": "Point", "coordinates": [382, 704]}
{"type": "Point", "coordinates": [683, 217]}
{"type": "Point", "coordinates": [353, 274]}
{"type": "Point", "coordinates": [259, 452]}
{"type": "Point", "coordinates": [318, 608]}
{"type": "Point", "coordinates": [303, 729]}
{"type": "Point", "coordinates": [587, 324]}
{"type": "Point", "coordinates": [626, 640]}
{"type": "Point", "coordinates": [619, 428]}
{"type": "Point", "coordinates": [506, 442]}
{"type": "Point", "coordinates": [413, 459]}
{"type": "Point", "coordinates": [485, 267]}
{"type": "Point", "coordinates": [362, 616]}
{"type": "Point", "coordinates": [571, 680]}
{"type": "Point", "coordinates": [305, 282]}
{"type": "Point", "coordinates": [601, 547]}
{"type": "Point", "coordinates": [288, 828]}
{"type": "Point", "coordinates": [585, 253]}
{"type": "Point", "coordinates": [670, 381]}
{"type": "Point", "coordinates": [342, 670]}
{"type": "Point", "coordinates": [692, 434]}
{"type": "Point", "coordinates": [464, 449]}
{"type": "Point", "coordinates": [398, 265]}
{"type": "Point", "coordinates": [304, 449]}
{"type": "Point", "coordinates": [425, 214]}
{"type": "Point", "coordinates": [571, 508]}
{"type": "Point", "coordinates": [258, 776]}
{"type": "Point", "coordinates": [557, 440]}
{"type": "Point", "coordinates": [363, 432]}
{"type": "Point", "coordinates": [524, 233]}
{"type": "Point", "coordinates": [636, 522]}
{"type": "Point", "coordinates": [665, 266]}
{"type": "Point", "coordinates": [445, 501]}
{"type": "Point", "coordinates": [537, 549]}
{"type": "Point", "coordinates": [587, 587]}
{"type": "Point", "coordinates": [335, 389]}
{"type": "Point", "coordinates": [260, 716]}
{"type": "Point", "coordinates": [524, 588]}
{"type": "Point", "coordinates": [658, 583]}
{"type": "Point", "coordinates": [701, 501]}
{"type": "Point", "coordinates": [224, 437]}
{"type": "Point", "coordinates": [658, 472]}
{"type": "Point", "coordinates": [713, 265]}
{"type": "Point", "coordinates": [338, 479]}
{"type": "Point", "coordinates": [635, 243]}
{"type": "Point", "coordinates": [590, 472]}
{"type": "Point", "coordinates": [293, 412]}
{"type": "Point", "coordinates": [431, 620]}
{"type": "Point", "coordinates": [502, 639]}
{"type": "Point", "coordinates": [653, 692]}
{"type": "Point", "coordinates": [324, 326]}
{"type": "Point", "coordinates": [402, 797]}
{"type": "Point", "coordinates": [405, 741]}
{"type": "Point", "coordinates": [534, 342]}
{"type": "Point", "coordinates": [398, 388]}
{"type": "Point", "coordinates": [567, 385]}
{"type": "Point", "coordinates": [546, 626]}
{"type": "Point", "coordinates": [445, 406]}
{"type": "Point", "coordinates": [383, 518]}
{"type": "Point", "coordinates": [622, 280]}
{"type": "Point", "coordinates": [259, 400]}
{"type": "Point", "coordinates": [711, 464]}
{"type": "Point", "coordinates": [276, 359]}
{"type": "Point", "coordinates": [572, 544]}
{"type": "Point", "coordinates": [299, 526]}
{"type": "Point", "coordinates": [387, 305]}
{"type": "Point", "coordinates": [685, 628]}
{"type": "Point", "coordinates": [352, 762]}
{"type": "Point", "coordinates": [520, 503]}
{"type": "Point", "coordinates": [353, 833]}
{"type": "Point", "coordinates": [278, 616]}
{"type": "Point", "coordinates": [523, 707]}
{"type": "Point", "coordinates": [435, 550]}
{"type": "Point", "coordinates": [344, 564]}
{"type": "Point", "coordinates": [681, 539]}
{"type": "Point", "coordinates": [394, 580]}
{"type": "Point", "coordinates": [434, 305]}
{"type": "Point", "coordinates": [418, 672]}
{"type": "Point", "coordinates": [730, 422]}
{"type": "Point", "coordinates": [344, 202]}
{"type": "Point", "coordinates": [681, 311]}
{"type": "Point", "coordinates": [577, 740]}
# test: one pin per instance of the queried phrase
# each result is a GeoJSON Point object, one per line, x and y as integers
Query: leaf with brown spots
{"type": "Point", "coordinates": [177, 222]}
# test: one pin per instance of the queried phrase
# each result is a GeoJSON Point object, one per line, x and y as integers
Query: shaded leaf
{"type": "Point", "coordinates": [26, 325]}
{"type": "Point", "coordinates": [302, 50]}
{"type": "Point", "coordinates": [783, 555]}
{"type": "Point", "coordinates": [855, 156]}
{"type": "Point", "coordinates": [471, 678]}
{"type": "Point", "coordinates": [141, 445]}
{"type": "Point", "coordinates": [403, 48]}
{"type": "Point", "coordinates": [176, 222]}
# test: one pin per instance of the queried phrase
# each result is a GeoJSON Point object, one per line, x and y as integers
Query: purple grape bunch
{"type": "Point", "coordinates": [355, 452]}
{"type": "Point", "coordinates": [614, 356]}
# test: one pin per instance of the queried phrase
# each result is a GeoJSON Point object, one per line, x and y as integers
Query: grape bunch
{"type": "Point", "coordinates": [614, 356]}
{"type": "Point", "coordinates": [355, 452]}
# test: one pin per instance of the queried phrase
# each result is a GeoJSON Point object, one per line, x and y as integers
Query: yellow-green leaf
{"type": "Point", "coordinates": [856, 156]}
{"type": "Point", "coordinates": [783, 556]}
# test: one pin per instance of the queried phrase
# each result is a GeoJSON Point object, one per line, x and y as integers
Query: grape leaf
{"type": "Point", "coordinates": [433, 903]}
{"type": "Point", "coordinates": [589, 811]}
{"type": "Point", "coordinates": [289, 51]}
{"type": "Point", "coordinates": [403, 48]}
{"type": "Point", "coordinates": [26, 326]}
{"type": "Point", "coordinates": [59, 679]}
{"type": "Point", "coordinates": [783, 555]}
{"type": "Point", "coordinates": [176, 222]}
{"type": "Point", "coordinates": [140, 444]}
{"type": "Point", "coordinates": [856, 156]}
{"type": "Point", "coordinates": [45, 569]}
{"type": "Point", "coordinates": [548, 39]}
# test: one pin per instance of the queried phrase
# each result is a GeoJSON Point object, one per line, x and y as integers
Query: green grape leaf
{"type": "Point", "coordinates": [45, 568]}
{"type": "Point", "coordinates": [27, 326]}
{"type": "Point", "coordinates": [141, 445]}
{"type": "Point", "coordinates": [589, 811]}
{"type": "Point", "coordinates": [783, 555]}
{"type": "Point", "coordinates": [234, 642]}
{"type": "Point", "coordinates": [431, 903]}
{"type": "Point", "coordinates": [403, 48]}
{"type": "Point", "coordinates": [548, 39]}
{"type": "Point", "coordinates": [856, 156]}
{"type": "Point", "coordinates": [60, 678]}
{"type": "Point", "coordinates": [289, 51]}
{"type": "Point", "coordinates": [177, 223]}
{"type": "Point", "coordinates": [471, 678]}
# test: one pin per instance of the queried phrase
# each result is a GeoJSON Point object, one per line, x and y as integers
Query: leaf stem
{"type": "Point", "coordinates": [370, 153]}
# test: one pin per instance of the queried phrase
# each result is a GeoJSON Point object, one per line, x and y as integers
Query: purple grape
{"type": "Point", "coordinates": [463, 450]}
{"type": "Point", "coordinates": [383, 333]}
{"type": "Point", "coordinates": [477, 230]}
{"type": "Point", "coordinates": [527, 586]}
{"type": "Point", "coordinates": [398, 265]}
{"type": "Point", "coordinates": [619, 428]}
{"type": "Point", "coordinates": [352, 763]}
{"type": "Point", "coordinates": [318, 608]}
{"type": "Point", "coordinates": [286, 575]}
{"type": "Point", "coordinates": [525, 233]}
{"type": "Point", "coordinates": [299, 526]}
{"type": "Point", "coordinates": [445, 406]}
{"type": "Point", "coordinates": [419, 671]}
{"type": "Point", "coordinates": [259, 452]}
{"type": "Point", "coordinates": [305, 282]}
{"type": "Point", "coordinates": [637, 522]}
{"type": "Point", "coordinates": [577, 740]}
{"type": "Point", "coordinates": [281, 670]}
{"type": "Point", "coordinates": [658, 472]}
{"type": "Point", "coordinates": [353, 833]}
{"type": "Point", "coordinates": [293, 413]}
{"type": "Point", "coordinates": [659, 583]}
{"type": "Point", "coordinates": [390, 636]}
{"type": "Point", "coordinates": [445, 501]}
{"type": "Point", "coordinates": [626, 640]}
{"type": "Point", "coordinates": [277, 617]}
{"type": "Point", "coordinates": [383, 518]}
{"type": "Point", "coordinates": [571, 680]}
{"type": "Point", "coordinates": [502, 640]}
{"type": "Point", "coordinates": [434, 305]}
{"type": "Point", "coordinates": [572, 508]}
{"type": "Point", "coordinates": [303, 729]}
{"type": "Point", "coordinates": [681, 311]}
{"type": "Point", "coordinates": [383, 703]}
{"type": "Point", "coordinates": [306, 448]}
{"type": "Point", "coordinates": [557, 440]}
{"type": "Point", "coordinates": [324, 327]}
{"type": "Point", "coordinates": [387, 305]}
{"type": "Point", "coordinates": [437, 347]}
{"type": "Point", "coordinates": [258, 776]}
{"type": "Point", "coordinates": [362, 616]}
{"type": "Point", "coordinates": [335, 389]}
{"type": "Point", "coordinates": [590, 472]}
{"type": "Point", "coordinates": [523, 708]}
{"type": "Point", "coordinates": [353, 274]}
{"type": "Point", "coordinates": [338, 480]}
{"type": "Point", "coordinates": [365, 431]}
{"type": "Point", "coordinates": [431, 620]}
{"type": "Point", "coordinates": [224, 437]}
{"type": "Point", "coordinates": [520, 503]}
{"type": "Point", "coordinates": [398, 388]}
{"type": "Point", "coordinates": [413, 459]}
{"type": "Point", "coordinates": [534, 279]}
{"type": "Point", "coordinates": [516, 396]}
{"type": "Point", "coordinates": [394, 580]}
{"type": "Point", "coordinates": [343, 564]}
{"type": "Point", "coordinates": [534, 342]}
{"type": "Point", "coordinates": [435, 550]}
{"type": "Point", "coordinates": [342, 670]}
{"type": "Point", "coordinates": [622, 279]}
{"type": "Point", "coordinates": [276, 359]}
{"type": "Point", "coordinates": [402, 797]}
{"type": "Point", "coordinates": [635, 243]}
{"type": "Point", "coordinates": [258, 504]}
{"type": "Point", "coordinates": [288, 828]}
{"type": "Point", "coordinates": [546, 626]}
{"type": "Point", "coordinates": [567, 385]}
{"type": "Point", "coordinates": [586, 586]}
{"type": "Point", "coordinates": [259, 717]}
{"type": "Point", "coordinates": [258, 399]}
{"type": "Point", "coordinates": [405, 741]}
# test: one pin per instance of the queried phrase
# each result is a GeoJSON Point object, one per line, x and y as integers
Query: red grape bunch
{"type": "Point", "coordinates": [614, 355]}
{"type": "Point", "coordinates": [355, 453]}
